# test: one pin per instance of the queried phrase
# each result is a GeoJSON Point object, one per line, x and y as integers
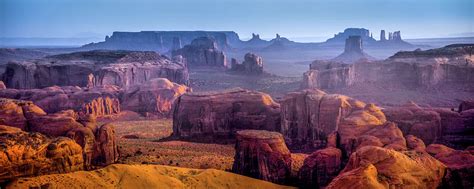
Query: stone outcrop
{"type": "Point", "coordinates": [433, 125]}
{"type": "Point", "coordinates": [309, 116]}
{"type": "Point", "coordinates": [320, 168]}
{"type": "Point", "coordinates": [93, 68]}
{"type": "Point", "coordinates": [413, 120]}
{"type": "Point", "coordinates": [202, 52]}
{"type": "Point", "coordinates": [155, 96]}
{"type": "Point", "coordinates": [262, 155]}
{"type": "Point", "coordinates": [252, 65]}
{"type": "Point", "coordinates": [375, 167]}
{"type": "Point", "coordinates": [2, 85]}
{"type": "Point", "coordinates": [447, 67]}
{"type": "Point", "coordinates": [97, 145]}
{"type": "Point", "coordinates": [353, 51]}
{"type": "Point", "coordinates": [221, 113]}
{"type": "Point", "coordinates": [99, 101]}
{"type": "Point", "coordinates": [460, 165]}
{"type": "Point", "coordinates": [30, 154]}
{"type": "Point", "coordinates": [466, 105]}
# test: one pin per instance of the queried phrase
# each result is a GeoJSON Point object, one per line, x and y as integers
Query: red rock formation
{"type": "Point", "coordinates": [414, 143]}
{"type": "Point", "coordinates": [202, 52]}
{"type": "Point", "coordinates": [2, 85]}
{"type": "Point", "coordinates": [320, 168]}
{"type": "Point", "coordinates": [93, 68]}
{"type": "Point", "coordinates": [155, 96]}
{"type": "Point", "coordinates": [414, 120]}
{"type": "Point", "coordinates": [262, 155]}
{"type": "Point", "coordinates": [309, 116]}
{"type": "Point", "coordinates": [460, 165]}
{"type": "Point", "coordinates": [214, 114]}
{"type": "Point", "coordinates": [106, 151]}
{"type": "Point", "coordinates": [375, 167]}
{"type": "Point", "coordinates": [30, 154]}
{"type": "Point", "coordinates": [99, 101]}
{"type": "Point", "coordinates": [98, 144]}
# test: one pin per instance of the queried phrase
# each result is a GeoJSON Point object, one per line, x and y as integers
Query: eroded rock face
{"type": "Point", "coordinates": [93, 68]}
{"type": "Point", "coordinates": [375, 167]}
{"type": "Point", "coordinates": [353, 51]}
{"type": "Point", "coordinates": [309, 116]}
{"type": "Point", "coordinates": [460, 165]}
{"type": "Point", "coordinates": [221, 113]}
{"type": "Point", "coordinates": [202, 52]}
{"type": "Point", "coordinates": [447, 67]}
{"type": "Point", "coordinates": [97, 144]}
{"type": "Point", "coordinates": [414, 120]}
{"type": "Point", "coordinates": [252, 65]}
{"type": "Point", "coordinates": [155, 96]}
{"type": "Point", "coordinates": [106, 151]}
{"type": "Point", "coordinates": [262, 155]}
{"type": "Point", "coordinates": [320, 168]}
{"type": "Point", "coordinates": [30, 154]}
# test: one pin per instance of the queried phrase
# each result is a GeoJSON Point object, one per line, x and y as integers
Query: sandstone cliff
{"type": "Point", "coordinates": [93, 68]}
{"type": "Point", "coordinates": [202, 52]}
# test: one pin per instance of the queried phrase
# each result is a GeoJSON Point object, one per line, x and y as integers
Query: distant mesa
{"type": "Point", "coordinates": [161, 41]}
{"type": "Point", "coordinates": [353, 51]}
{"type": "Point", "coordinates": [394, 38]}
{"type": "Point", "coordinates": [202, 51]}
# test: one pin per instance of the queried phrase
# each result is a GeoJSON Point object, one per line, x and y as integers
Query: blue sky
{"type": "Point", "coordinates": [292, 18]}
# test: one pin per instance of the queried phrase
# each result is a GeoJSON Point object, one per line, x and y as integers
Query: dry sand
{"type": "Point", "coordinates": [144, 176]}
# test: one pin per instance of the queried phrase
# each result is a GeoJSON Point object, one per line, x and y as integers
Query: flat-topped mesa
{"type": "Point", "coordinates": [202, 52]}
{"type": "Point", "coordinates": [161, 41]}
{"type": "Point", "coordinates": [448, 67]}
{"type": "Point", "coordinates": [211, 115]}
{"type": "Point", "coordinates": [94, 68]}
{"type": "Point", "coordinates": [252, 65]}
{"type": "Point", "coordinates": [262, 155]}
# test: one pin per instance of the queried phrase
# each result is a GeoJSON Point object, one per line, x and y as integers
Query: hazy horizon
{"type": "Point", "coordinates": [299, 19]}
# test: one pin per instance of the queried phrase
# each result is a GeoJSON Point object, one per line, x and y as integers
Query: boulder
{"type": "Point", "coordinates": [262, 155]}
{"type": "Point", "coordinates": [15, 112]}
{"type": "Point", "coordinates": [376, 167]}
{"type": "Point", "coordinates": [25, 154]}
{"type": "Point", "coordinates": [93, 68]}
{"type": "Point", "coordinates": [155, 96]}
{"type": "Point", "coordinates": [221, 113]}
{"type": "Point", "coordinates": [252, 65]}
{"type": "Point", "coordinates": [202, 52]}
{"type": "Point", "coordinates": [320, 168]}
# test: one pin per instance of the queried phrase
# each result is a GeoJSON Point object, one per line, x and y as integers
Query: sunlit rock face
{"type": "Point", "coordinates": [262, 155]}
{"type": "Point", "coordinates": [96, 145]}
{"type": "Point", "coordinates": [407, 169]}
{"type": "Point", "coordinates": [93, 68]}
{"type": "Point", "coordinates": [221, 113]}
{"type": "Point", "coordinates": [202, 51]}
{"type": "Point", "coordinates": [155, 96]}
{"type": "Point", "coordinates": [450, 66]}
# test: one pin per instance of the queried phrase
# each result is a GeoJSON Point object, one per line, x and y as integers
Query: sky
{"type": "Point", "coordinates": [297, 19]}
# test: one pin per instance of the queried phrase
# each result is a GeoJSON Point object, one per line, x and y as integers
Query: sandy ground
{"type": "Point", "coordinates": [139, 143]}
{"type": "Point", "coordinates": [144, 176]}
